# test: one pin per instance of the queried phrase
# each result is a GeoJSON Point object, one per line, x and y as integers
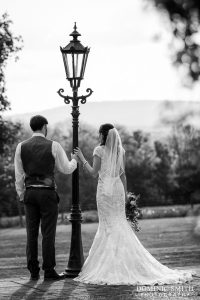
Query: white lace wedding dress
{"type": "Point", "coordinates": [116, 256]}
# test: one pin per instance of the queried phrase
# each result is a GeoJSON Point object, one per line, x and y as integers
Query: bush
{"type": "Point", "coordinates": [172, 211]}
{"type": "Point", "coordinates": [91, 216]}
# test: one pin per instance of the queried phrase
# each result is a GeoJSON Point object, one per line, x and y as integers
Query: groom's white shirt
{"type": "Point", "coordinates": [62, 164]}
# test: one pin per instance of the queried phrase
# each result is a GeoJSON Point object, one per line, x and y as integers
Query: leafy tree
{"type": "Point", "coordinates": [140, 156]}
{"type": "Point", "coordinates": [163, 175]}
{"type": "Point", "coordinates": [185, 141]}
{"type": "Point", "coordinates": [9, 44]}
{"type": "Point", "coordinates": [184, 17]}
{"type": "Point", "coordinates": [9, 132]}
{"type": "Point", "coordinates": [8, 203]}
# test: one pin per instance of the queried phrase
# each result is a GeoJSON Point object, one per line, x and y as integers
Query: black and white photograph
{"type": "Point", "coordinates": [99, 149]}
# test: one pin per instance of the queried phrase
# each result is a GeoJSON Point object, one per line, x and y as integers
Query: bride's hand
{"type": "Point", "coordinates": [74, 156]}
{"type": "Point", "coordinates": [79, 153]}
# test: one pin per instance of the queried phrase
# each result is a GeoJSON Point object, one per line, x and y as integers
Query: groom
{"type": "Point", "coordinates": [35, 162]}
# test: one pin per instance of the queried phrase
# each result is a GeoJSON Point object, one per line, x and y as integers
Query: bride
{"type": "Point", "coordinates": [116, 256]}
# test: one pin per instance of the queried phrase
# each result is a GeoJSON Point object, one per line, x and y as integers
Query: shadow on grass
{"type": "Point", "coordinates": [24, 290]}
{"type": "Point", "coordinates": [31, 290]}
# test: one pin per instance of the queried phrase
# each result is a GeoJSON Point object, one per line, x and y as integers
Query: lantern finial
{"type": "Point", "coordinates": [75, 33]}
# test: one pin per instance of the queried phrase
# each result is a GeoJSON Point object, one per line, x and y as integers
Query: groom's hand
{"type": "Point", "coordinates": [74, 156]}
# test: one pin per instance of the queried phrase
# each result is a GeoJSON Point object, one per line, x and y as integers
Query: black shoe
{"type": "Point", "coordinates": [35, 276]}
{"type": "Point", "coordinates": [53, 275]}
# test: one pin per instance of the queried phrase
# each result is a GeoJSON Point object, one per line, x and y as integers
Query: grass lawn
{"type": "Point", "coordinates": [91, 216]}
{"type": "Point", "coordinates": [170, 240]}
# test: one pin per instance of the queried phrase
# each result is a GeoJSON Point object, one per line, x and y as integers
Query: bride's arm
{"type": "Point", "coordinates": [93, 170]}
{"type": "Point", "coordinates": [123, 178]}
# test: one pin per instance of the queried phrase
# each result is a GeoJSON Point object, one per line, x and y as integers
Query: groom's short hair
{"type": "Point", "coordinates": [37, 122]}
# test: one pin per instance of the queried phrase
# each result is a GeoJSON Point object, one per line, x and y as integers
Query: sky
{"type": "Point", "coordinates": [126, 61]}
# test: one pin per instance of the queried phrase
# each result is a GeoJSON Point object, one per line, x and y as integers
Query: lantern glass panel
{"type": "Point", "coordinates": [84, 64]}
{"type": "Point", "coordinates": [68, 65]}
{"type": "Point", "coordinates": [78, 61]}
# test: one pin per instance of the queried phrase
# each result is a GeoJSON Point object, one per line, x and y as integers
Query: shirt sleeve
{"type": "Point", "coordinates": [98, 151]}
{"type": "Point", "coordinates": [62, 162]}
{"type": "Point", "coordinates": [19, 173]}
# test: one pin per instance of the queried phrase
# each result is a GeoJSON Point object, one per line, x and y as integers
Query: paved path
{"type": "Point", "coordinates": [21, 288]}
{"type": "Point", "coordinates": [171, 241]}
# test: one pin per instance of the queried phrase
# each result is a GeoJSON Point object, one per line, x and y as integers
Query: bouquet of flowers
{"type": "Point", "coordinates": [133, 212]}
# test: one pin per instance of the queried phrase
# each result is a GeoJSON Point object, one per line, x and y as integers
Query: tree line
{"type": "Point", "coordinates": [163, 171]}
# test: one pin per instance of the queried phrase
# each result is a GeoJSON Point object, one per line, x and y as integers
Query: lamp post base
{"type": "Point", "coordinates": [71, 273]}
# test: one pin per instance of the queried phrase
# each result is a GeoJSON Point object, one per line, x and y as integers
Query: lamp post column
{"type": "Point", "coordinates": [75, 58]}
{"type": "Point", "coordinates": [76, 258]}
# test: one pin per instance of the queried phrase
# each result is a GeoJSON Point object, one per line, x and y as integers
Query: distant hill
{"type": "Point", "coordinates": [133, 114]}
{"type": "Point", "coordinates": [143, 115]}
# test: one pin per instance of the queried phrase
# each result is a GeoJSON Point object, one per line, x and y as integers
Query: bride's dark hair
{"type": "Point", "coordinates": [104, 131]}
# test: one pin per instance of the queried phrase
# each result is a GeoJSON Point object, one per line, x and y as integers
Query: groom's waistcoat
{"type": "Point", "coordinates": [38, 161]}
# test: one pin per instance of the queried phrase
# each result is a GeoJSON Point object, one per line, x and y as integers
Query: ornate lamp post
{"type": "Point", "coordinates": [75, 58]}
